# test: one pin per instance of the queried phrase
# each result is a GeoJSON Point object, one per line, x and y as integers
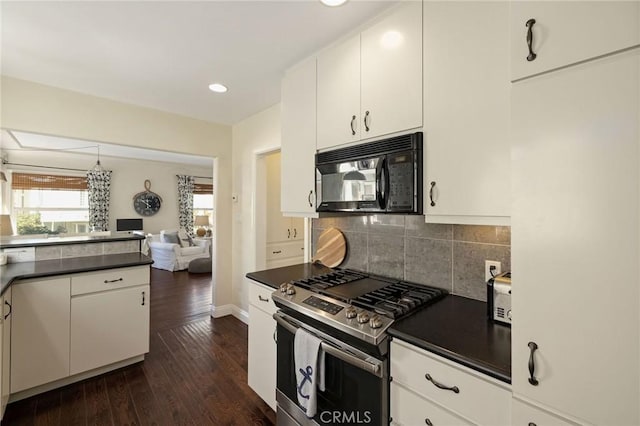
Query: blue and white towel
{"type": "Point", "coordinates": [309, 365]}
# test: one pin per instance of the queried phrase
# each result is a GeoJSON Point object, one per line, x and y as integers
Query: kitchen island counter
{"type": "Point", "coordinates": [46, 268]}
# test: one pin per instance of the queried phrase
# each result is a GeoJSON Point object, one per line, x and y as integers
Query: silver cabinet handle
{"type": "Point", "coordinates": [353, 125]}
{"type": "Point", "coordinates": [367, 121]}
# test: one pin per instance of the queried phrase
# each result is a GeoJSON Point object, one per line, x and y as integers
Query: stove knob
{"type": "Point", "coordinates": [363, 317]}
{"type": "Point", "coordinates": [350, 312]}
{"type": "Point", "coordinates": [375, 322]}
{"type": "Point", "coordinates": [291, 290]}
{"type": "Point", "coordinates": [283, 287]}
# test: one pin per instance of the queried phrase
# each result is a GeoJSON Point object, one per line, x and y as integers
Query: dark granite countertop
{"type": "Point", "coordinates": [275, 277]}
{"type": "Point", "coordinates": [8, 242]}
{"type": "Point", "coordinates": [457, 328]}
{"type": "Point", "coordinates": [45, 268]}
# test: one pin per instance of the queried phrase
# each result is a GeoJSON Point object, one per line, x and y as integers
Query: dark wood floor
{"type": "Point", "coordinates": [194, 374]}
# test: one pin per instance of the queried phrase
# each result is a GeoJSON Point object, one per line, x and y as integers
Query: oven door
{"type": "Point", "coordinates": [356, 384]}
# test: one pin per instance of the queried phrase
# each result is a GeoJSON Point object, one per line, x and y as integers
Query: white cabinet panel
{"type": "Point", "coordinates": [466, 125]}
{"type": "Point", "coordinates": [298, 111]}
{"type": "Point", "coordinates": [391, 73]}
{"type": "Point", "coordinates": [566, 32]}
{"type": "Point", "coordinates": [576, 208]}
{"type": "Point", "coordinates": [262, 346]}
{"type": "Point", "coordinates": [339, 118]}
{"type": "Point", "coordinates": [5, 349]}
{"type": "Point", "coordinates": [109, 279]}
{"type": "Point", "coordinates": [40, 332]}
{"type": "Point", "coordinates": [108, 327]}
{"type": "Point", "coordinates": [524, 414]}
{"type": "Point", "coordinates": [410, 409]}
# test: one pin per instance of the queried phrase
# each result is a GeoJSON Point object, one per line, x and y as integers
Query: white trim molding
{"type": "Point", "coordinates": [241, 314]}
{"type": "Point", "coordinates": [229, 309]}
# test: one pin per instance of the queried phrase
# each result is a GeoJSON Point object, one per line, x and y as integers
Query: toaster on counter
{"type": "Point", "coordinates": [499, 298]}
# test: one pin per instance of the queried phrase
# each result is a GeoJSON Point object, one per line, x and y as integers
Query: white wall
{"type": "Point", "coordinates": [127, 180]}
{"type": "Point", "coordinates": [257, 134]}
{"type": "Point", "coordinates": [37, 108]}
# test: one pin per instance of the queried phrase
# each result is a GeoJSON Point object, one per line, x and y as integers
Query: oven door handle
{"type": "Point", "coordinates": [353, 360]}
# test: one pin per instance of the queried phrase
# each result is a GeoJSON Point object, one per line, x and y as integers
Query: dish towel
{"type": "Point", "coordinates": [309, 365]}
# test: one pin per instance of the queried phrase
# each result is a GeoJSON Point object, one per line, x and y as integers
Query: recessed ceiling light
{"type": "Point", "coordinates": [333, 3]}
{"type": "Point", "coordinates": [218, 88]}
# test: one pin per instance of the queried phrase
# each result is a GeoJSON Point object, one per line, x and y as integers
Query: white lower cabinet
{"type": "Point", "coordinates": [76, 323]}
{"type": "Point", "coordinates": [5, 349]}
{"type": "Point", "coordinates": [446, 390]}
{"type": "Point", "coordinates": [262, 345]}
{"type": "Point", "coordinates": [40, 332]}
{"type": "Point", "coordinates": [108, 327]}
{"type": "Point", "coordinates": [524, 414]}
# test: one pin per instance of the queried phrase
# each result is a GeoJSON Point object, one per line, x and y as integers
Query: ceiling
{"type": "Point", "coordinates": [164, 54]}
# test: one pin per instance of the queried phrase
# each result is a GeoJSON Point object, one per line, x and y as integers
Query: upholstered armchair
{"type": "Point", "coordinates": [174, 254]}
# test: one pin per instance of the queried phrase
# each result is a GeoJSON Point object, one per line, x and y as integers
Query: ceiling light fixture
{"type": "Point", "coordinates": [218, 88]}
{"type": "Point", "coordinates": [333, 3]}
{"type": "Point", "coordinates": [98, 167]}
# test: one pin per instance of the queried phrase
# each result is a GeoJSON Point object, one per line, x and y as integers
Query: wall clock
{"type": "Point", "coordinates": [147, 202]}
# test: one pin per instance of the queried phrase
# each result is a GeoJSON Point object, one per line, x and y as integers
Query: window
{"type": "Point", "coordinates": [203, 200]}
{"type": "Point", "coordinates": [50, 204]}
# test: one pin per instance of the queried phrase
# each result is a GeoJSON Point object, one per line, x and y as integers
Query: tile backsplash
{"type": "Point", "coordinates": [405, 247]}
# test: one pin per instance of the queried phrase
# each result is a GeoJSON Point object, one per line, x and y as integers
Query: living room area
{"type": "Point", "coordinates": [166, 196]}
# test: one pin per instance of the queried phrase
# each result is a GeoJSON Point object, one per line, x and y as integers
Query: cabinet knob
{"type": "Point", "coordinates": [532, 56]}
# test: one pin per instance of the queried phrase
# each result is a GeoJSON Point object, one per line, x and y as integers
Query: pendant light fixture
{"type": "Point", "coordinates": [98, 167]}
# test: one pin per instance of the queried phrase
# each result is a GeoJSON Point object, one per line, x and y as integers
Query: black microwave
{"type": "Point", "coordinates": [384, 176]}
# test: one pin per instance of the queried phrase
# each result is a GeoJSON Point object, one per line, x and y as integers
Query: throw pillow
{"type": "Point", "coordinates": [171, 237]}
{"type": "Point", "coordinates": [185, 239]}
{"type": "Point", "coordinates": [191, 243]}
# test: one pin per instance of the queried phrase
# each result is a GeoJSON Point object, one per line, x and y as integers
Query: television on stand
{"type": "Point", "coordinates": [130, 226]}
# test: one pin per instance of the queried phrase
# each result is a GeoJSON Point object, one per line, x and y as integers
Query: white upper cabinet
{"type": "Point", "coordinates": [391, 73]}
{"type": "Point", "coordinates": [298, 109]}
{"type": "Point", "coordinates": [339, 94]}
{"type": "Point", "coordinates": [466, 108]}
{"type": "Point", "coordinates": [567, 32]}
{"type": "Point", "coordinates": [371, 84]}
{"type": "Point", "coordinates": [576, 209]}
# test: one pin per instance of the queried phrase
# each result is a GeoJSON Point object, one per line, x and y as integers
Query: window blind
{"type": "Point", "coordinates": [38, 181]}
{"type": "Point", "coordinates": [202, 188]}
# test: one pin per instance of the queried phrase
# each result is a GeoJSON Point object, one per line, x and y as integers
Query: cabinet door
{"type": "Point", "coordinates": [262, 355]}
{"type": "Point", "coordinates": [567, 32]}
{"type": "Point", "coordinates": [391, 73]}
{"type": "Point", "coordinates": [109, 327]}
{"type": "Point", "coordinates": [409, 409]}
{"type": "Point", "coordinates": [339, 118]}
{"type": "Point", "coordinates": [5, 349]}
{"type": "Point", "coordinates": [40, 332]}
{"type": "Point", "coordinates": [524, 414]}
{"type": "Point", "coordinates": [299, 140]}
{"type": "Point", "coordinates": [278, 226]}
{"type": "Point", "coordinates": [467, 148]}
{"type": "Point", "coordinates": [576, 196]}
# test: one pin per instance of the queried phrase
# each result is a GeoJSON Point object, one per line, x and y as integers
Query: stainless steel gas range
{"type": "Point", "coordinates": [350, 312]}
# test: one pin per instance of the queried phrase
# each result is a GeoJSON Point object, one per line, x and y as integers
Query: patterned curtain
{"type": "Point", "coordinates": [99, 186]}
{"type": "Point", "coordinates": [185, 202]}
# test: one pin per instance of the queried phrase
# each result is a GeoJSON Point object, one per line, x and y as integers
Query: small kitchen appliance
{"type": "Point", "coordinates": [499, 298]}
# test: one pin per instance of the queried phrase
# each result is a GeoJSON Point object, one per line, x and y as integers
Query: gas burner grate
{"type": "Point", "coordinates": [331, 279]}
{"type": "Point", "coordinates": [399, 299]}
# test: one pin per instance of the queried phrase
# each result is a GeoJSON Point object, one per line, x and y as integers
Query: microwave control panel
{"type": "Point", "coordinates": [401, 177]}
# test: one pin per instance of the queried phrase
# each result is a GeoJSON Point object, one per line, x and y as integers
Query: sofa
{"type": "Point", "coordinates": [174, 255]}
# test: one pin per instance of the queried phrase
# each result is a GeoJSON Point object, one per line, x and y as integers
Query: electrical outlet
{"type": "Point", "coordinates": [488, 264]}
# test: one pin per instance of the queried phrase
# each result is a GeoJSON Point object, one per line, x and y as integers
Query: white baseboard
{"type": "Point", "coordinates": [242, 315]}
{"type": "Point", "coordinates": [221, 311]}
{"type": "Point", "coordinates": [229, 309]}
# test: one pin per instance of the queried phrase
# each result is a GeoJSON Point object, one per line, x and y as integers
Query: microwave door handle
{"type": "Point", "coordinates": [381, 183]}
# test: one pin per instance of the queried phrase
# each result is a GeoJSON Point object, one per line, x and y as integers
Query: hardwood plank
{"type": "Point", "coordinates": [48, 409]}
{"type": "Point", "coordinates": [72, 405]}
{"type": "Point", "coordinates": [122, 408]}
{"type": "Point", "coordinates": [97, 406]}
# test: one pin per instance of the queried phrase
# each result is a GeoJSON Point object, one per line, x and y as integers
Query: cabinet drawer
{"type": "Point", "coordinates": [481, 400]}
{"type": "Point", "coordinates": [109, 279]}
{"type": "Point", "coordinates": [282, 250]}
{"type": "Point", "coordinates": [408, 409]}
{"type": "Point", "coordinates": [260, 297]}
{"type": "Point", "coordinates": [526, 415]}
